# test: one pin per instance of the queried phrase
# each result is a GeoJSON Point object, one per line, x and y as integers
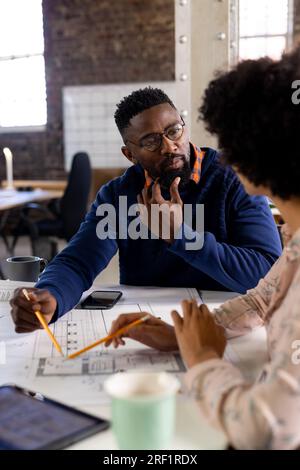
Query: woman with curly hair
{"type": "Point", "coordinates": [251, 111]}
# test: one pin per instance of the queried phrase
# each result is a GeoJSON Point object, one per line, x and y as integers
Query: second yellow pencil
{"type": "Point", "coordinates": [103, 340]}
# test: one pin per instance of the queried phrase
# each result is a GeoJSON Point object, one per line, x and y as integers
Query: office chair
{"type": "Point", "coordinates": [62, 217]}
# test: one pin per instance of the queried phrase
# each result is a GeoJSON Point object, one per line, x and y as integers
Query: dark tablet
{"type": "Point", "coordinates": [30, 421]}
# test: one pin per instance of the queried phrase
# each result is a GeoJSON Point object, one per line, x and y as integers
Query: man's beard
{"type": "Point", "coordinates": [167, 176]}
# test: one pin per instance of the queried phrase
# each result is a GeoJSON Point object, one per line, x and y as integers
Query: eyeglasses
{"type": "Point", "coordinates": [152, 142]}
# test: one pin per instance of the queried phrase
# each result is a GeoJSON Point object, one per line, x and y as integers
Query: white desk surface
{"type": "Point", "coordinates": [192, 432]}
{"type": "Point", "coordinates": [9, 199]}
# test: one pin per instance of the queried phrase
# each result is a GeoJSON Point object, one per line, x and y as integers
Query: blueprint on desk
{"type": "Point", "coordinates": [32, 361]}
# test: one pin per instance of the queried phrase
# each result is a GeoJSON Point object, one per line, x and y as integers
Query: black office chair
{"type": "Point", "coordinates": [62, 217]}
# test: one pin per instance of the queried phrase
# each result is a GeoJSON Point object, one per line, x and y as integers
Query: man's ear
{"type": "Point", "coordinates": [128, 154]}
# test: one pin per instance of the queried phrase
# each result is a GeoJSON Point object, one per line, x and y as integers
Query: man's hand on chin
{"type": "Point", "coordinates": [162, 217]}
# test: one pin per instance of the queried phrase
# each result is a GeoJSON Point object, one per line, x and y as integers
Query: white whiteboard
{"type": "Point", "coordinates": [88, 121]}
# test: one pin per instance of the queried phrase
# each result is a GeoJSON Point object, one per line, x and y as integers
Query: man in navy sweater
{"type": "Point", "coordinates": [237, 247]}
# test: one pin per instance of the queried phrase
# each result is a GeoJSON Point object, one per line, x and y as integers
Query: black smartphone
{"type": "Point", "coordinates": [30, 421]}
{"type": "Point", "coordinates": [101, 299]}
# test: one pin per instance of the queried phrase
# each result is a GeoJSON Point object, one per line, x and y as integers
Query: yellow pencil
{"type": "Point", "coordinates": [44, 324]}
{"type": "Point", "coordinates": [107, 338]}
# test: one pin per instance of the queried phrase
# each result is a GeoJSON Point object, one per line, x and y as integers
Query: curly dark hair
{"type": "Point", "coordinates": [250, 109]}
{"type": "Point", "coordinates": [137, 102]}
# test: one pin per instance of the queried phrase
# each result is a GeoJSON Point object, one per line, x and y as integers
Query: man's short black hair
{"type": "Point", "coordinates": [250, 109]}
{"type": "Point", "coordinates": [137, 102]}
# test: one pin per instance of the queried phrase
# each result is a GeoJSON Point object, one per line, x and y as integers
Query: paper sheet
{"type": "Point", "coordinates": [7, 288]}
{"type": "Point", "coordinates": [35, 363]}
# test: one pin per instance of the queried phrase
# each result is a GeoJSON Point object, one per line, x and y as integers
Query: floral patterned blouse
{"type": "Point", "coordinates": [264, 414]}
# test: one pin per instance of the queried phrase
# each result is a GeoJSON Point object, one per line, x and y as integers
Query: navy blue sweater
{"type": "Point", "coordinates": [241, 241]}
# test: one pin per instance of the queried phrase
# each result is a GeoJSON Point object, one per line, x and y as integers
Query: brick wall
{"type": "Point", "coordinates": [92, 42]}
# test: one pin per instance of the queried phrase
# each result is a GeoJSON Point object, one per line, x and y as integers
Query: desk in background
{"type": "Point", "coordinates": [13, 199]}
{"type": "Point", "coordinates": [54, 185]}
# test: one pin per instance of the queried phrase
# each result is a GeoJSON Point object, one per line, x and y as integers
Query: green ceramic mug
{"type": "Point", "coordinates": [143, 409]}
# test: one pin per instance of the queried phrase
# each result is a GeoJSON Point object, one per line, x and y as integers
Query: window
{"type": "Point", "coordinates": [22, 67]}
{"type": "Point", "coordinates": [264, 28]}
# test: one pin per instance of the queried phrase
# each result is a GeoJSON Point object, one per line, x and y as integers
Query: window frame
{"type": "Point", "coordinates": [288, 35]}
{"type": "Point", "coordinates": [26, 128]}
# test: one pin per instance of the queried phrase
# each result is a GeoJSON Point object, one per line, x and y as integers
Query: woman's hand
{"type": "Point", "coordinates": [198, 336]}
{"type": "Point", "coordinates": [154, 333]}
